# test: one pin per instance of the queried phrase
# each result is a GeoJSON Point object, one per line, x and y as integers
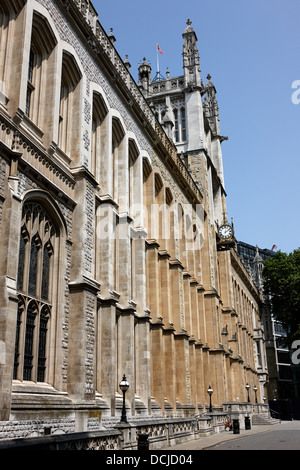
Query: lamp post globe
{"type": "Point", "coordinates": [255, 391]}
{"type": "Point", "coordinates": [210, 392]}
{"type": "Point", "coordinates": [124, 385]}
{"type": "Point", "coordinates": [247, 388]}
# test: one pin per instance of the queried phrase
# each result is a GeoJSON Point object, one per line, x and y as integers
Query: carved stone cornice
{"type": "Point", "coordinates": [31, 156]}
{"type": "Point", "coordinates": [84, 284]}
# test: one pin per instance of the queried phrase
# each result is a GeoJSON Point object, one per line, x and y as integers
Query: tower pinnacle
{"type": "Point", "coordinates": [191, 60]}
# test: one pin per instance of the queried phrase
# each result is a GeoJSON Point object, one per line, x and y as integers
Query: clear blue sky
{"type": "Point", "coordinates": [252, 51]}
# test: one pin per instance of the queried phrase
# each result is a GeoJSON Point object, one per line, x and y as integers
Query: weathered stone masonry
{"type": "Point", "coordinates": [87, 145]}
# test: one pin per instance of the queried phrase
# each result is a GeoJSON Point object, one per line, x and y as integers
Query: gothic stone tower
{"type": "Point", "coordinates": [187, 110]}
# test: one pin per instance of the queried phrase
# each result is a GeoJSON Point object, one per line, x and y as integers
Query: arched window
{"type": "Point", "coordinates": [39, 83]}
{"type": "Point", "coordinates": [98, 147]}
{"type": "Point", "coordinates": [134, 179]}
{"type": "Point", "coordinates": [69, 120]}
{"type": "Point", "coordinates": [11, 50]}
{"type": "Point", "coordinates": [4, 41]}
{"type": "Point", "coordinates": [119, 176]}
{"type": "Point", "coordinates": [34, 284]}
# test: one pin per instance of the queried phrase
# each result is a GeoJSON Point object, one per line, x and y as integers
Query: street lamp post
{"type": "Point", "coordinates": [210, 392]}
{"type": "Point", "coordinates": [255, 391]}
{"type": "Point", "coordinates": [247, 388]}
{"type": "Point", "coordinates": [124, 385]}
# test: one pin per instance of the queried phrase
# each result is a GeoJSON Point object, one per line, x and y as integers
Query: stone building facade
{"type": "Point", "coordinates": [111, 262]}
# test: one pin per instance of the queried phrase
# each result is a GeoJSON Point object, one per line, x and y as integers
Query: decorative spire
{"type": "Point", "coordinates": [111, 36]}
{"type": "Point", "coordinates": [144, 75]}
{"type": "Point", "coordinates": [189, 26]}
{"type": "Point", "coordinates": [191, 60]}
{"type": "Point", "coordinates": [127, 63]}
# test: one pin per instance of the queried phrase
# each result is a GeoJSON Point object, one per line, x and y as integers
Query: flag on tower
{"type": "Point", "coordinates": [159, 48]}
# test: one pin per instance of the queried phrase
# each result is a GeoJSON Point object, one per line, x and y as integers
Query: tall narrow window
{"type": "Point", "coordinates": [134, 181]}
{"type": "Point", "coordinates": [183, 124]}
{"type": "Point", "coordinates": [176, 127]}
{"type": "Point", "coordinates": [39, 63]}
{"type": "Point", "coordinates": [98, 147]}
{"type": "Point", "coordinates": [35, 274]}
{"type": "Point", "coordinates": [32, 279]}
{"type": "Point", "coordinates": [21, 263]}
{"type": "Point", "coordinates": [30, 86]}
{"type": "Point", "coordinates": [44, 317]}
{"type": "Point", "coordinates": [29, 339]}
{"type": "Point", "coordinates": [119, 176]}
{"type": "Point", "coordinates": [46, 272]}
{"type": "Point", "coordinates": [69, 114]}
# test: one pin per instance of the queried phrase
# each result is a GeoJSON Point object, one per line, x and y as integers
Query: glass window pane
{"type": "Point", "coordinates": [21, 264]}
{"type": "Point", "coordinates": [33, 269]}
{"type": "Point", "coordinates": [30, 325]}
{"type": "Point", "coordinates": [42, 346]}
{"type": "Point", "coordinates": [45, 274]}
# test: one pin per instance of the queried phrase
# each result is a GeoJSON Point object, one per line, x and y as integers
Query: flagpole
{"type": "Point", "coordinates": [158, 49]}
{"type": "Point", "coordinates": [157, 61]}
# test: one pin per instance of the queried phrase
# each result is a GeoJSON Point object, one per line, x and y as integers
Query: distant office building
{"type": "Point", "coordinates": [278, 356]}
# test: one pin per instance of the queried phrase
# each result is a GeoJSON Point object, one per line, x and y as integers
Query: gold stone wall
{"type": "Point", "coordinates": [137, 286]}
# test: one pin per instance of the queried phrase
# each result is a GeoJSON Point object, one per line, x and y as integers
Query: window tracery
{"type": "Point", "coordinates": [34, 284]}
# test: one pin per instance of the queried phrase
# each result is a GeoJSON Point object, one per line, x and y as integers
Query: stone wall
{"type": "Point", "coordinates": [160, 433]}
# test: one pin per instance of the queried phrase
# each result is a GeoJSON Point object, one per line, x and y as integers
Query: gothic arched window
{"type": "Point", "coordinates": [40, 61]}
{"type": "Point", "coordinates": [98, 129]}
{"type": "Point", "coordinates": [69, 115]}
{"type": "Point", "coordinates": [34, 284]}
{"type": "Point", "coordinates": [176, 128]}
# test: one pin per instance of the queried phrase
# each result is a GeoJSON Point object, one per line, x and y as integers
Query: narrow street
{"type": "Point", "coordinates": [285, 436]}
{"type": "Point", "coordinates": [282, 436]}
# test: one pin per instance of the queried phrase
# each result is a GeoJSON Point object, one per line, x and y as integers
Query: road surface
{"type": "Point", "coordinates": [286, 436]}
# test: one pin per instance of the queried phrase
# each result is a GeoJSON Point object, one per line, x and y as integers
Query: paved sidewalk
{"type": "Point", "coordinates": [208, 441]}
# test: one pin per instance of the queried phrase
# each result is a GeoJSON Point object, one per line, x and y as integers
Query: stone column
{"type": "Point", "coordinates": [123, 261]}
{"type": "Point", "coordinates": [176, 285]}
{"type": "Point", "coordinates": [187, 302]}
{"type": "Point", "coordinates": [142, 319]}
{"type": "Point", "coordinates": [169, 359]}
{"type": "Point", "coordinates": [199, 374]}
{"type": "Point", "coordinates": [212, 332]}
{"type": "Point", "coordinates": [142, 359]}
{"type": "Point", "coordinates": [126, 353]}
{"type": "Point", "coordinates": [9, 250]}
{"type": "Point", "coordinates": [193, 372]}
{"type": "Point", "coordinates": [183, 391]}
{"type": "Point", "coordinates": [153, 289]}
{"type": "Point", "coordinates": [225, 281]}
{"type": "Point", "coordinates": [164, 296]}
{"type": "Point", "coordinates": [83, 291]}
{"type": "Point", "coordinates": [158, 369]}
{"type": "Point", "coordinates": [83, 305]}
{"type": "Point", "coordinates": [107, 358]}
